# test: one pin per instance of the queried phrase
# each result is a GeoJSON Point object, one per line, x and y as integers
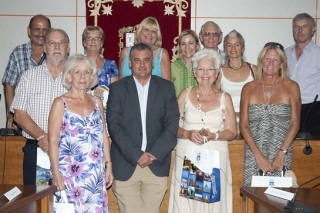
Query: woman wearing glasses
{"type": "Point", "coordinates": [208, 116]}
{"type": "Point", "coordinates": [93, 40]}
{"type": "Point", "coordinates": [148, 33]}
{"type": "Point", "coordinates": [236, 72]}
{"type": "Point", "coordinates": [269, 115]}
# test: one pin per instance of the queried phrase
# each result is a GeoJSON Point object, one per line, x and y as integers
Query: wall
{"type": "Point", "coordinates": [258, 21]}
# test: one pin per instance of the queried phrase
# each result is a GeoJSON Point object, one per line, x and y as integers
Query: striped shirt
{"type": "Point", "coordinates": [35, 94]}
{"type": "Point", "coordinates": [20, 60]}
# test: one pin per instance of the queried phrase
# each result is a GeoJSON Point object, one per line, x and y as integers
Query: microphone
{"type": "Point", "coordinates": [306, 135]}
{"type": "Point", "coordinates": [295, 207]}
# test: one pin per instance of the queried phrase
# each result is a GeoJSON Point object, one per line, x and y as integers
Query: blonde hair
{"type": "Point", "coordinates": [151, 22]}
{"type": "Point", "coordinates": [72, 62]}
{"type": "Point", "coordinates": [185, 33]}
{"type": "Point", "coordinates": [283, 72]}
{"type": "Point", "coordinates": [90, 29]}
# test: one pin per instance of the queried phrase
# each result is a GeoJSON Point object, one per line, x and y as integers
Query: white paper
{"type": "Point", "coordinates": [43, 159]}
{"type": "Point", "coordinates": [12, 193]}
{"type": "Point", "coordinates": [129, 39]}
{"type": "Point", "coordinates": [279, 193]}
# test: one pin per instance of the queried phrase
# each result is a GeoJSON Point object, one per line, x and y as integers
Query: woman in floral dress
{"type": "Point", "coordinates": [79, 148]}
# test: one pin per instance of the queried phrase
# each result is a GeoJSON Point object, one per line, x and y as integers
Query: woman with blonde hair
{"type": "Point", "coordinates": [181, 69]}
{"type": "Point", "coordinates": [269, 115]}
{"type": "Point", "coordinates": [148, 33]}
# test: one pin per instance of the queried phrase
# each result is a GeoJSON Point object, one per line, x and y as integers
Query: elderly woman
{"type": "Point", "coordinates": [78, 143]}
{"type": "Point", "coordinates": [207, 113]}
{"type": "Point", "coordinates": [269, 114]}
{"type": "Point", "coordinates": [236, 72]}
{"type": "Point", "coordinates": [181, 69]}
{"type": "Point", "coordinates": [93, 39]}
{"type": "Point", "coordinates": [148, 33]}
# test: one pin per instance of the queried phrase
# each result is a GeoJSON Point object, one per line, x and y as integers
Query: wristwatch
{"type": "Point", "coordinates": [284, 151]}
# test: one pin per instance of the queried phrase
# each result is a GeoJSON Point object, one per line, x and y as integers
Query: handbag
{"type": "Point", "coordinates": [200, 179]}
{"type": "Point", "coordinates": [272, 179]}
{"type": "Point", "coordinates": [43, 171]}
{"type": "Point", "coordinates": [62, 205]}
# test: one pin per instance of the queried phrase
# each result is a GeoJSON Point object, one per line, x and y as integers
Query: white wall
{"type": "Point", "coordinates": [258, 21]}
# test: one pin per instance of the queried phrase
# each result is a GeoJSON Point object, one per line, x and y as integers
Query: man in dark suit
{"type": "Point", "coordinates": [143, 119]}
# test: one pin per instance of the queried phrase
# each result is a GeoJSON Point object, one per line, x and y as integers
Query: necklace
{"type": "Point", "coordinates": [235, 68]}
{"type": "Point", "coordinates": [267, 100]}
{"type": "Point", "coordinates": [204, 131]}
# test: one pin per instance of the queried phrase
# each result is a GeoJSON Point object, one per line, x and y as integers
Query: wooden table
{"type": "Point", "coordinates": [255, 200]}
{"type": "Point", "coordinates": [33, 199]}
{"type": "Point", "coordinates": [304, 166]}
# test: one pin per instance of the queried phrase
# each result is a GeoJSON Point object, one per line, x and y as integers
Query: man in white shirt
{"type": "Point", "coordinates": [211, 36]}
{"type": "Point", "coordinates": [143, 119]}
{"type": "Point", "coordinates": [304, 67]}
{"type": "Point", "coordinates": [37, 89]}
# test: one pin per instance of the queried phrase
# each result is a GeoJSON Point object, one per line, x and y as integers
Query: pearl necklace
{"type": "Point", "coordinates": [204, 131]}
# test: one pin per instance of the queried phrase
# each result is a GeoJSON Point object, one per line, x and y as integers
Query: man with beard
{"type": "Point", "coordinates": [304, 68]}
{"type": "Point", "coordinates": [24, 57]}
{"type": "Point", "coordinates": [37, 89]}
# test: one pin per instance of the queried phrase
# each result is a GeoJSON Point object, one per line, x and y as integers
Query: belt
{"type": "Point", "coordinates": [32, 142]}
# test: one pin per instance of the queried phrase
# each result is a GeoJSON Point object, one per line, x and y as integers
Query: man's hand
{"type": "Point", "coordinates": [43, 143]}
{"type": "Point", "coordinates": [10, 124]}
{"type": "Point", "coordinates": [146, 159]}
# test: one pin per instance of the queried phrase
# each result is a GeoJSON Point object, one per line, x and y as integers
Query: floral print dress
{"type": "Point", "coordinates": [81, 161]}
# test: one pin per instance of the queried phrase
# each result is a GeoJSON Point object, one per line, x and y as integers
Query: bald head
{"type": "Point", "coordinates": [210, 35]}
{"type": "Point", "coordinates": [37, 18]}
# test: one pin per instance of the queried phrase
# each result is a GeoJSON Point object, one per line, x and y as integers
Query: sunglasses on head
{"type": "Point", "coordinates": [274, 44]}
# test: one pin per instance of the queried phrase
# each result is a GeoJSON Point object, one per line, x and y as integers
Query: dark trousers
{"type": "Point", "coordinates": [30, 162]}
{"type": "Point", "coordinates": [312, 123]}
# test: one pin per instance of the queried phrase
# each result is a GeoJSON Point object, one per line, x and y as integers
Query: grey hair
{"type": "Point", "coordinates": [206, 53]}
{"type": "Point", "coordinates": [51, 30]}
{"type": "Point", "coordinates": [210, 22]}
{"type": "Point", "coordinates": [141, 47]}
{"type": "Point", "coordinates": [305, 16]}
{"type": "Point", "coordinates": [233, 33]}
{"type": "Point", "coordinates": [72, 62]}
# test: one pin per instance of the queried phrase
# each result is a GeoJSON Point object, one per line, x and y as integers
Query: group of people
{"type": "Point", "coordinates": [154, 107]}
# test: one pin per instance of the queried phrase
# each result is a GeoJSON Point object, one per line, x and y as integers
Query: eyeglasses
{"type": "Point", "coordinates": [54, 43]}
{"type": "Point", "coordinates": [93, 38]}
{"type": "Point", "coordinates": [274, 44]}
{"type": "Point", "coordinates": [203, 69]}
{"type": "Point", "coordinates": [214, 34]}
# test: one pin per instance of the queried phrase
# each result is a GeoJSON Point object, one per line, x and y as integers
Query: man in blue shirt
{"type": "Point", "coordinates": [24, 57]}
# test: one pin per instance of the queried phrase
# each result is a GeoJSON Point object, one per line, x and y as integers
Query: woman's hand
{"type": "Point", "coordinates": [278, 161]}
{"type": "Point", "coordinates": [58, 181]}
{"type": "Point", "coordinates": [109, 175]}
{"type": "Point", "coordinates": [99, 91]}
{"type": "Point", "coordinates": [263, 163]}
{"type": "Point", "coordinates": [195, 137]}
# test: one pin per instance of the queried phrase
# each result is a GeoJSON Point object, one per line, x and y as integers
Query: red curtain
{"type": "Point", "coordinates": [130, 13]}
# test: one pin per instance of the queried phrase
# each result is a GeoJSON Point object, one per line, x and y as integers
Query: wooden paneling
{"type": "Point", "coordinates": [305, 168]}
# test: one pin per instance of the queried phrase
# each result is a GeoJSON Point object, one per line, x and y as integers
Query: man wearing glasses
{"type": "Point", "coordinates": [211, 36]}
{"type": "Point", "coordinates": [37, 89]}
{"type": "Point", "coordinates": [304, 68]}
{"type": "Point", "coordinates": [24, 57]}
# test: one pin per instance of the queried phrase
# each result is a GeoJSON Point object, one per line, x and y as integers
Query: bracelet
{"type": "Point", "coordinates": [217, 136]}
{"type": "Point", "coordinates": [42, 136]}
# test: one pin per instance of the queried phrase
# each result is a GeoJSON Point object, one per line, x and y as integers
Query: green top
{"type": "Point", "coordinates": [182, 76]}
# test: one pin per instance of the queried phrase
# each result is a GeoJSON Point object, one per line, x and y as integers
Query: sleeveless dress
{"type": "Point", "coordinates": [269, 125]}
{"type": "Point", "coordinates": [156, 70]}
{"type": "Point", "coordinates": [192, 121]}
{"type": "Point", "coordinates": [234, 89]}
{"type": "Point", "coordinates": [81, 160]}
{"type": "Point", "coordinates": [108, 70]}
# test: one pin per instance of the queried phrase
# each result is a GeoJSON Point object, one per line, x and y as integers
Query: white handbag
{"type": "Point", "coordinates": [62, 206]}
{"type": "Point", "coordinates": [271, 181]}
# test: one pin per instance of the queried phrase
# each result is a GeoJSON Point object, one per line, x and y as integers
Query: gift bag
{"type": "Point", "coordinates": [200, 179]}
{"type": "Point", "coordinates": [43, 172]}
{"type": "Point", "coordinates": [61, 205]}
{"type": "Point", "coordinates": [272, 179]}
